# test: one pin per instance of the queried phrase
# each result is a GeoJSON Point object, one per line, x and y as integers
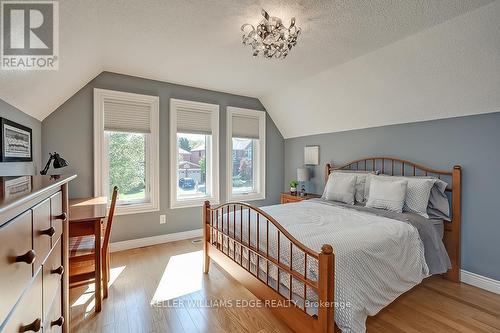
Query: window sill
{"type": "Point", "coordinates": [198, 202]}
{"type": "Point", "coordinates": [136, 209]}
{"type": "Point", "coordinates": [246, 197]}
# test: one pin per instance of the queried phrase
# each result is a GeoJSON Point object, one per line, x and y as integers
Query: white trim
{"type": "Point", "coordinates": [260, 194]}
{"type": "Point", "coordinates": [480, 281]}
{"type": "Point", "coordinates": [154, 240]}
{"type": "Point", "coordinates": [214, 160]}
{"type": "Point", "coordinates": [100, 188]}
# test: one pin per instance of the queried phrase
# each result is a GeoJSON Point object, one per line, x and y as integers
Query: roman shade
{"type": "Point", "coordinates": [123, 115]}
{"type": "Point", "coordinates": [194, 120]}
{"type": "Point", "coordinates": [245, 126]}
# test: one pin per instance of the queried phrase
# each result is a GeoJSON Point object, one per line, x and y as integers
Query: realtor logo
{"type": "Point", "coordinates": [30, 35]}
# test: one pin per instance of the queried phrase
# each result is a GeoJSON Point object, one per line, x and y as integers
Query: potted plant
{"type": "Point", "coordinates": [293, 187]}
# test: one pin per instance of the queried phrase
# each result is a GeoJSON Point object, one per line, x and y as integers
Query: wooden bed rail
{"type": "Point", "coordinates": [292, 279]}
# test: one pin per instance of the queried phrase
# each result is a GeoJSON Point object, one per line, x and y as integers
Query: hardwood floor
{"type": "Point", "coordinates": [173, 272]}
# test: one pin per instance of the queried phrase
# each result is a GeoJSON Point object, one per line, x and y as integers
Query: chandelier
{"type": "Point", "coordinates": [270, 39]}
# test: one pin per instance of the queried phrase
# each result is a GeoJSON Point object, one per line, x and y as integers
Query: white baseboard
{"type": "Point", "coordinates": [480, 281]}
{"type": "Point", "coordinates": [141, 242]}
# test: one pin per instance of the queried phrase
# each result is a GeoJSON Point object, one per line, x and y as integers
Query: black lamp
{"type": "Point", "coordinates": [59, 162]}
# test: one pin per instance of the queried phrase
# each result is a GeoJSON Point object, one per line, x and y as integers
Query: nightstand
{"type": "Point", "coordinates": [286, 197]}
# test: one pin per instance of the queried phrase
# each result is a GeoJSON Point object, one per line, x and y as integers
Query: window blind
{"type": "Point", "coordinates": [192, 119]}
{"type": "Point", "coordinates": [245, 126]}
{"type": "Point", "coordinates": [127, 116]}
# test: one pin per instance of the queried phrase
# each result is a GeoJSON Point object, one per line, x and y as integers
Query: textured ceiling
{"type": "Point", "coordinates": [198, 43]}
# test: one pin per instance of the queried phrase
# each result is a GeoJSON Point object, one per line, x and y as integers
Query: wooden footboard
{"type": "Point", "coordinates": [295, 282]}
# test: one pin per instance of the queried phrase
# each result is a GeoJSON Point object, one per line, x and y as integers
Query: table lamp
{"type": "Point", "coordinates": [302, 177]}
{"type": "Point", "coordinates": [59, 162]}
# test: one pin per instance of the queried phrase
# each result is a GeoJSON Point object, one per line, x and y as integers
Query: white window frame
{"type": "Point", "coordinates": [213, 171]}
{"type": "Point", "coordinates": [259, 165]}
{"type": "Point", "coordinates": [101, 181]}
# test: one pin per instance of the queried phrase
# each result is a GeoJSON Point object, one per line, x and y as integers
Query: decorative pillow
{"type": "Point", "coordinates": [340, 187]}
{"type": "Point", "coordinates": [361, 177]}
{"type": "Point", "coordinates": [388, 195]}
{"type": "Point", "coordinates": [417, 194]}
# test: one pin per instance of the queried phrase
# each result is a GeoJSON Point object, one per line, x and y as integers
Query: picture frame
{"type": "Point", "coordinates": [13, 187]}
{"type": "Point", "coordinates": [311, 155]}
{"type": "Point", "coordinates": [16, 141]}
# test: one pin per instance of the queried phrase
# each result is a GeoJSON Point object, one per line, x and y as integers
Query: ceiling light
{"type": "Point", "coordinates": [270, 38]}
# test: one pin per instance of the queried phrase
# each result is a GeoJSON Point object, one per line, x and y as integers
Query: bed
{"type": "Point", "coordinates": [322, 266]}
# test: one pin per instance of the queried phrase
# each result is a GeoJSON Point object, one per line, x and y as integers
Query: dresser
{"type": "Point", "coordinates": [34, 254]}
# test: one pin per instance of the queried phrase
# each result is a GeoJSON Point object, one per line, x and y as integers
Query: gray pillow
{"type": "Point", "coordinates": [340, 187]}
{"type": "Point", "coordinates": [417, 194]}
{"type": "Point", "coordinates": [388, 195]}
{"type": "Point", "coordinates": [439, 205]}
{"type": "Point", "coordinates": [361, 177]}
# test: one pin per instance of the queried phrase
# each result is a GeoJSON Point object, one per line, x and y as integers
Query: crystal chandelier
{"type": "Point", "coordinates": [270, 39]}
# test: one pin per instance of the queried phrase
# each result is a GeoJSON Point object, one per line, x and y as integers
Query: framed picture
{"type": "Point", "coordinates": [311, 155]}
{"type": "Point", "coordinates": [14, 187]}
{"type": "Point", "coordinates": [16, 142]}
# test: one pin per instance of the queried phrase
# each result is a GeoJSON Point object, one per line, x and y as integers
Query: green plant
{"type": "Point", "coordinates": [294, 184]}
{"type": "Point", "coordinates": [185, 144]}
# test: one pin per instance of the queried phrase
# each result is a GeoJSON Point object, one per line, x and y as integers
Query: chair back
{"type": "Point", "coordinates": [109, 222]}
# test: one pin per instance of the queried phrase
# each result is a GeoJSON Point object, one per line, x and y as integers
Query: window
{"type": "Point", "coordinates": [126, 149]}
{"type": "Point", "coordinates": [246, 146]}
{"type": "Point", "coordinates": [194, 146]}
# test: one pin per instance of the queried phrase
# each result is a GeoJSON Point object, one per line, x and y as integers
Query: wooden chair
{"type": "Point", "coordinates": [82, 268]}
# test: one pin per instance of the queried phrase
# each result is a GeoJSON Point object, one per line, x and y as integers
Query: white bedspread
{"type": "Point", "coordinates": [377, 259]}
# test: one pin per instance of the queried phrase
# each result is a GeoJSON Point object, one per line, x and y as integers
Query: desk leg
{"type": "Point", "coordinates": [98, 281]}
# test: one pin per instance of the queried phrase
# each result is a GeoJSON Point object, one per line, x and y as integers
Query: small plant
{"type": "Point", "coordinates": [294, 184]}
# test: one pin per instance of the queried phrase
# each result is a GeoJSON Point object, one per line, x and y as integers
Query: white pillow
{"type": "Point", "coordinates": [417, 194]}
{"type": "Point", "coordinates": [388, 195]}
{"type": "Point", "coordinates": [361, 181]}
{"type": "Point", "coordinates": [340, 187]}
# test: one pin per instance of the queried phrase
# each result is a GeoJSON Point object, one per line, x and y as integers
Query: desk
{"type": "Point", "coordinates": [86, 218]}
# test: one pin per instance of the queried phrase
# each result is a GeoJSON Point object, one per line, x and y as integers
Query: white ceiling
{"type": "Point", "coordinates": [198, 43]}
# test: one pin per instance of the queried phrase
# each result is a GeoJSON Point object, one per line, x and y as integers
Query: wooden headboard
{"type": "Point", "coordinates": [398, 167]}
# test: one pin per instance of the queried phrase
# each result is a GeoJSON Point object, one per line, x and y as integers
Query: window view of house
{"type": "Point", "coordinates": [243, 165]}
{"type": "Point", "coordinates": [192, 164]}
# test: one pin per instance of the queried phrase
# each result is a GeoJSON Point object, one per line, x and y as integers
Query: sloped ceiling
{"type": "Point", "coordinates": [197, 43]}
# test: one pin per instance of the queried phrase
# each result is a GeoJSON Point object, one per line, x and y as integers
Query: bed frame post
{"type": "Point", "coordinates": [326, 289]}
{"type": "Point", "coordinates": [454, 240]}
{"type": "Point", "coordinates": [327, 171]}
{"type": "Point", "coordinates": [206, 235]}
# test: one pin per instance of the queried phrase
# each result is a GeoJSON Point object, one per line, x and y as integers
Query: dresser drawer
{"type": "Point", "coordinates": [57, 216]}
{"type": "Point", "coordinates": [54, 319]}
{"type": "Point", "coordinates": [27, 315]}
{"type": "Point", "coordinates": [15, 274]}
{"type": "Point", "coordinates": [42, 232]}
{"type": "Point", "coordinates": [52, 273]}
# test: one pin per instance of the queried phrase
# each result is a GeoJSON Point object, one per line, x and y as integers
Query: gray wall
{"type": "Point", "coordinates": [22, 168]}
{"type": "Point", "coordinates": [69, 131]}
{"type": "Point", "coordinates": [472, 142]}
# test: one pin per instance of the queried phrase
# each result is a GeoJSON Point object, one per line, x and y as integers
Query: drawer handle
{"type": "Point", "coordinates": [63, 216]}
{"type": "Point", "coordinates": [59, 270]}
{"type": "Point", "coordinates": [59, 322]}
{"type": "Point", "coordinates": [28, 257]}
{"type": "Point", "coordinates": [49, 232]}
{"type": "Point", "coordinates": [34, 326]}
